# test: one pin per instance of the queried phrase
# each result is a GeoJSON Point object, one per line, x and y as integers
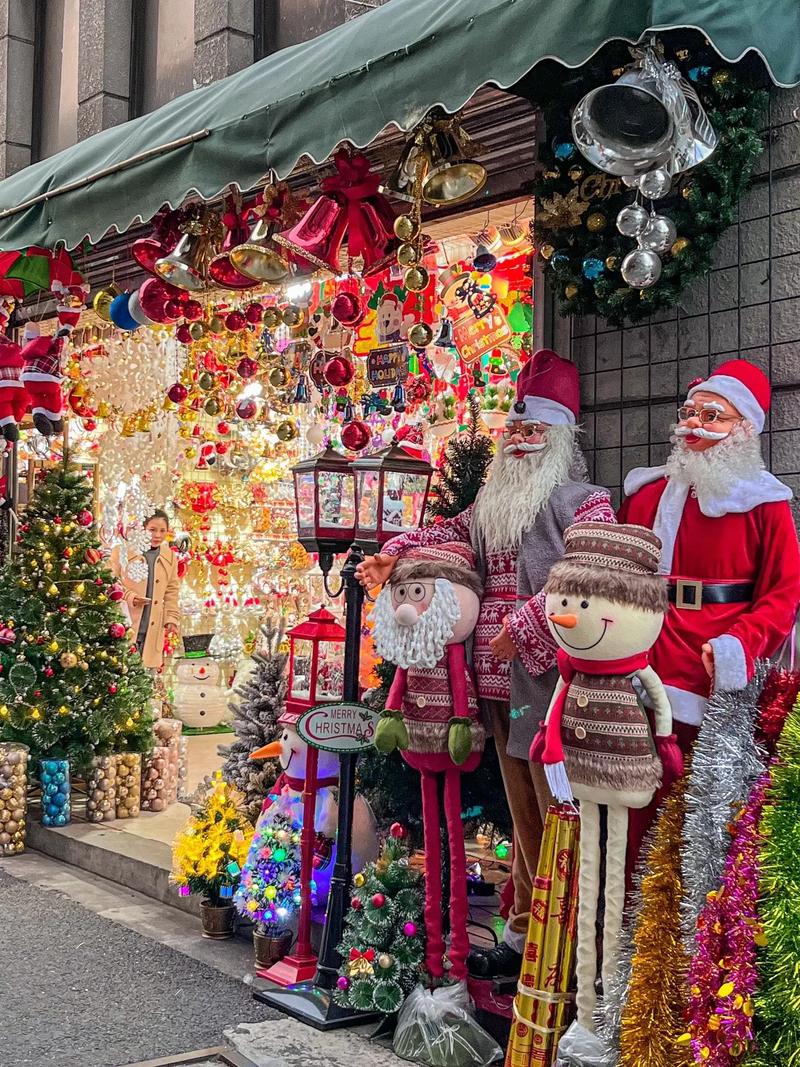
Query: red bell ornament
{"type": "Point", "coordinates": [339, 371]}
{"type": "Point", "coordinates": [315, 241]}
{"type": "Point", "coordinates": [356, 436]}
{"type": "Point", "coordinates": [165, 235]}
{"type": "Point", "coordinates": [222, 269]}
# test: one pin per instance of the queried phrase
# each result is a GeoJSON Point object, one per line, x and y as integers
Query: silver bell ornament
{"type": "Point", "coordinates": [641, 268]}
{"type": "Point", "coordinates": [659, 235]}
{"type": "Point", "coordinates": [655, 184]}
{"type": "Point", "coordinates": [632, 220]}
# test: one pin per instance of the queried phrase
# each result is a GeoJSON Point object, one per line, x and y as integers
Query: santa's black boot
{"type": "Point", "coordinates": [43, 424]}
{"type": "Point", "coordinates": [11, 432]}
{"type": "Point", "coordinates": [502, 961]}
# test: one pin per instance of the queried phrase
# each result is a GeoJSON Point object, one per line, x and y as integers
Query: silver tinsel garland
{"type": "Point", "coordinates": [725, 765]}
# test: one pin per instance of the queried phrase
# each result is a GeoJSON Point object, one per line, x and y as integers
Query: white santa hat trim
{"type": "Point", "coordinates": [541, 409]}
{"type": "Point", "coordinates": [736, 393]}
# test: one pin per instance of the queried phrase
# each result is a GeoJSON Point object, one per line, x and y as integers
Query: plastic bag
{"type": "Point", "coordinates": [435, 1027]}
{"type": "Point", "coordinates": [581, 1048]}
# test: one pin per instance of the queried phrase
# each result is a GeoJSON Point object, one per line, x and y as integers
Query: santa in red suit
{"type": "Point", "coordinates": [730, 547]}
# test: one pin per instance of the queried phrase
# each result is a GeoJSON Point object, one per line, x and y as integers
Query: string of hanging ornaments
{"type": "Point", "coordinates": [683, 132]}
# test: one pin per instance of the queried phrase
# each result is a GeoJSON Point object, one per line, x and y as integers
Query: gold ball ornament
{"type": "Point", "coordinates": [596, 222]}
{"type": "Point", "coordinates": [575, 174]}
{"type": "Point", "coordinates": [286, 430]}
{"type": "Point", "coordinates": [68, 660]}
{"type": "Point", "coordinates": [405, 228]}
{"type": "Point", "coordinates": [384, 961]}
{"type": "Point", "coordinates": [216, 324]}
{"type": "Point", "coordinates": [679, 245]}
{"type": "Point", "coordinates": [408, 255]}
{"type": "Point", "coordinates": [271, 318]}
{"type": "Point", "coordinates": [292, 315]}
{"type": "Point", "coordinates": [191, 453]}
{"type": "Point", "coordinates": [686, 191]}
{"type": "Point", "coordinates": [420, 335]}
{"type": "Point", "coordinates": [212, 406]}
{"type": "Point", "coordinates": [570, 291]}
{"type": "Point", "coordinates": [206, 381]}
{"type": "Point", "coordinates": [721, 79]}
{"type": "Point", "coordinates": [416, 279]}
{"type": "Point", "coordinates": [546, 251]}
{"type": "Point", "coordinates": [278, 377]}
{"type": "Point", "coordinates": [198, 331]}
{"type": "Point", "coordinates": [358, 880]}
{"type": "Point", "coordinates": [612, 263]}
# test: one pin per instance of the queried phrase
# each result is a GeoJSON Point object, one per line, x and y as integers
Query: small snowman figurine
{"type": "Point", "coordinates": [605, 606]}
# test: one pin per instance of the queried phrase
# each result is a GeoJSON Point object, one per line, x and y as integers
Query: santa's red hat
{"type": "Point", "coordinates": [742, 384]}
{"type": "Point", "coordinates": [411, 439]}
{"type": "Point", "coordinates": [548, 390]}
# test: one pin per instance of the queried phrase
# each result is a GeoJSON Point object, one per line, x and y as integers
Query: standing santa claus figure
{"type": "Point", "coordinates": [537, 487]}
{"type": "Point", "coordinates": [730, 549]}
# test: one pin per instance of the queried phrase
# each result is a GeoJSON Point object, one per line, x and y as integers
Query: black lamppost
{"type": "Point", "coordinates": [354, 507]}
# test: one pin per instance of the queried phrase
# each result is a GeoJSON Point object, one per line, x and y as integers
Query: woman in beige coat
{"type": "Point", "coordinates": [153, 601]}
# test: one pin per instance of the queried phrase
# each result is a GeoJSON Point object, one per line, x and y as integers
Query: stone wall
{"type": "Point", "coordinates": [633, 379]}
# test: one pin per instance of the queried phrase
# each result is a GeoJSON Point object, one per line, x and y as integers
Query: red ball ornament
{"type": "Point", "coordinates": [398, 831]}
{"type": "Point", "coordinates": [173, 308]}
{"type": "Point", "coordinates": [246, 408]}
{"type": "Point", "coordinates": [49, 672]}
{"type": "Point", "coordinates": [222, 447]}
{"type": "Point", "coordinates": [112, 689]}
{"type": "Point", "coordinates": [246, 367]}
{"type": "Point", "coordinates": [37, 692]}
{"type": "Point", "coordinates": [177, 393]}
{"type": "Point", "coordinates": [116, 592]}
{"type": "Point", "coordinates": [116, 630]}
{"type": "Point", "coordinates": [235, 321]}
{"type": "Point", "coordinates": [92, 556]}
{"type": "Point", "coordinates": [192, 310]}
{"type": "Point", "coordinates": [254, 313]}
{"type": "Point", "coordinates": [57, 520]}
{"type": "Point", "coordinates": [339, 371]}
{"type": "Point", "coordinates": [356, 435]}
{"type": "Point", "coordinates": [84, 518]}
{"type": "Point", "coordinates": [410, 929]}
{"type": "Point", "coordinates": [89, 425]}
{"type": "Point", "coordinates": [183, 334]}
{"type": "Point", "coordinates": [98, 581]}
{"type": "Point", "coordinates": [355, 904]}
{"type": "Point", "coordinates": [223, 427]}
{"type": "Point", "coordinates": [378, 900]}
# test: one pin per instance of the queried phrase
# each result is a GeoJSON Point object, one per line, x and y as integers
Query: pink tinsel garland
{"type": "Point", "coordinates": [722, 974]}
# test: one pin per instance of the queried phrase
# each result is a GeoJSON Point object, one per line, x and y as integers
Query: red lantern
{"type": "Point", "coordinates": [316, 662]}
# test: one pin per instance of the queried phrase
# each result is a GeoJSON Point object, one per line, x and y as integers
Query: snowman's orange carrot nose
{"type": "Point", "coordinates": [567, 621]}
{"type": "Point", "coordinates": [270, 751]}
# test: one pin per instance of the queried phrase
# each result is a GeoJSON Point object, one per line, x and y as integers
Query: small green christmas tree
{"type": "Point", "coordinates": [463, 470]}
{"type": "Point", "coordinates": [383, 945]}
{"type": "Point", "coordinates": [69, 684]}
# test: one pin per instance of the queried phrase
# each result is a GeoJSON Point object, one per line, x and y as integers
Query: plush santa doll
{"type": "Point", "coordinates": [422, 618]}
{"type": "Point", "coordinates": [42, 377]}
{"type": "Point", "coordinates": [730, 549]}
{"type": "Point", "coordinates": [537, 487]}
{"type": "Point", "coordinates": [13, 397]}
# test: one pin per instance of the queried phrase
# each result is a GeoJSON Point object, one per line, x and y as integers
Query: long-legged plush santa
{"type": "Point", "coordinates": [13, 397]}
{"type": "Point", "coordinates": [730, 548]}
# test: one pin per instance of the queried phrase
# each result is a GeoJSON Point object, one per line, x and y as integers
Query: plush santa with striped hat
{"type": "Point", "coordinates": [730, 546]}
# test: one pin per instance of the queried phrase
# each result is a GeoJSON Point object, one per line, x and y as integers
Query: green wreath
{"type": "Point", "coordinates": [577, 206]}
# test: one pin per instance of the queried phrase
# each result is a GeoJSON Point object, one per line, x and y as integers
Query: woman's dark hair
{"type": "Point", "coordinates": [157, 514]}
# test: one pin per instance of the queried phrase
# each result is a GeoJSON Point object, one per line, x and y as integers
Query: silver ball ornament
{"type": "Point", "coordinates": [641, 268]}
{"type": "Point", "coordinates": [659, 235]}
{"type": "Point", "coordinates": [632, 220]}
{"type": "Point", "coordinates": [630, 180]}
{"type": "Point", "coordinates": [655, 184]}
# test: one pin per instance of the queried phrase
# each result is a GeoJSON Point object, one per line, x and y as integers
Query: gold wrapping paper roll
{"type": "Point", "coordinates": [540, 1006]}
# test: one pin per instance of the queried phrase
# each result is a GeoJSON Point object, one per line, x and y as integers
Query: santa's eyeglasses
{"type": "Point", "coordinates": [705, 415]}
{"type": "Point", "coordinates": [526, 429]}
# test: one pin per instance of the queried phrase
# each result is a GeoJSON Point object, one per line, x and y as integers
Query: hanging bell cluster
{"type": "Point", "coordinates": [187, 264]}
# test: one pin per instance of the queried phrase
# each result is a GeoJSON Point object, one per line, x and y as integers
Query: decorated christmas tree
{"type": "Point", "coordinates": [70, 685]}
{"type": "Point", "coordinates": [463, 469]}
{"type": "Point", "coordinates": [269, 890]}
{"type": "Point", "coordinates": [208, 853]}
{"type": "Point", "coordinates": [383, 945]}
{"type": "Point", "coordinates": [259, 701]}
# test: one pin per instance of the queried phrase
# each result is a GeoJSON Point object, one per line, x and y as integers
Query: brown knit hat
{"type": "Point", "coordinates": [453, 560]}
{"type": "Point", "coordinates": [619, 562]}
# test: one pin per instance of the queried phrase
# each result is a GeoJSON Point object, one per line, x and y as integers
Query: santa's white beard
{"type": "Point", "coordinates": [518, 489]}
{"type": "Point", "coordinates": [420, 645]}
{"type": "Point", "coordinates": [735, 459]}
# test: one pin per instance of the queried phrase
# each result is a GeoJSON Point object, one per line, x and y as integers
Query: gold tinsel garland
{"type": "Point", "coordinates": [653, 1018]}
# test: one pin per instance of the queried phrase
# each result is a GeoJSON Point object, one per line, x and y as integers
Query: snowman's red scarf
{"type": "Point", "coordinates": [297, 785]}
{"type": "Point", "coordinates": [568, 666]}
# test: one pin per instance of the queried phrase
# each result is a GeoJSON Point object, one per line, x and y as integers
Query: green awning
{"type": "Point", "coordinates": [389, 66]}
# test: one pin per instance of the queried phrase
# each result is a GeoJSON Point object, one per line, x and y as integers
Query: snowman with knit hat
{"type": "Point", "coordinates": [605, 605]}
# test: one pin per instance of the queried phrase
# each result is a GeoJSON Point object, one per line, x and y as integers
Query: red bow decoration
{"type": "Point", "coordinates": [369, 955]}
{"type": "Point", "coordinates": [234, 219]}
{"type": "Point", "coordinates": [369, 215]}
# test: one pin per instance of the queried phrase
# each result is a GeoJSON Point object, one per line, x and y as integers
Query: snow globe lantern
{"type": "Point", "coordinates": [316, 662]}
{"type": "Point", "coordinates": [324, 489]}
{"type": "Point", "coordinates": [391, 494]}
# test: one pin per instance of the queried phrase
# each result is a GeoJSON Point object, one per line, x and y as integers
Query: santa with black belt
{"type": "Point", "coordinates": [730, 548]}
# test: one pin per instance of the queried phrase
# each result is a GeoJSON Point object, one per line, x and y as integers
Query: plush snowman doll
{"type": "Point", "coordinates": [605, 606]}
{"type": "Point", "coordinates": [201, 695]}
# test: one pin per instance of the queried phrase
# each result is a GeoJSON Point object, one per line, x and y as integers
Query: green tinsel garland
{"type": "Point", "coordinates": [777, 1018]}
{"type": "Point", "coordinates": [703, 203]}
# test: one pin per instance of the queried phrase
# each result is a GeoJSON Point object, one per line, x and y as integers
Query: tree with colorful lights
{"type": "Point", "coordinates": [69, 684]}
{"type": "Point", "coordinates": [269, 889]}
{"type": "Point", "coordinates": [383, 944]}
